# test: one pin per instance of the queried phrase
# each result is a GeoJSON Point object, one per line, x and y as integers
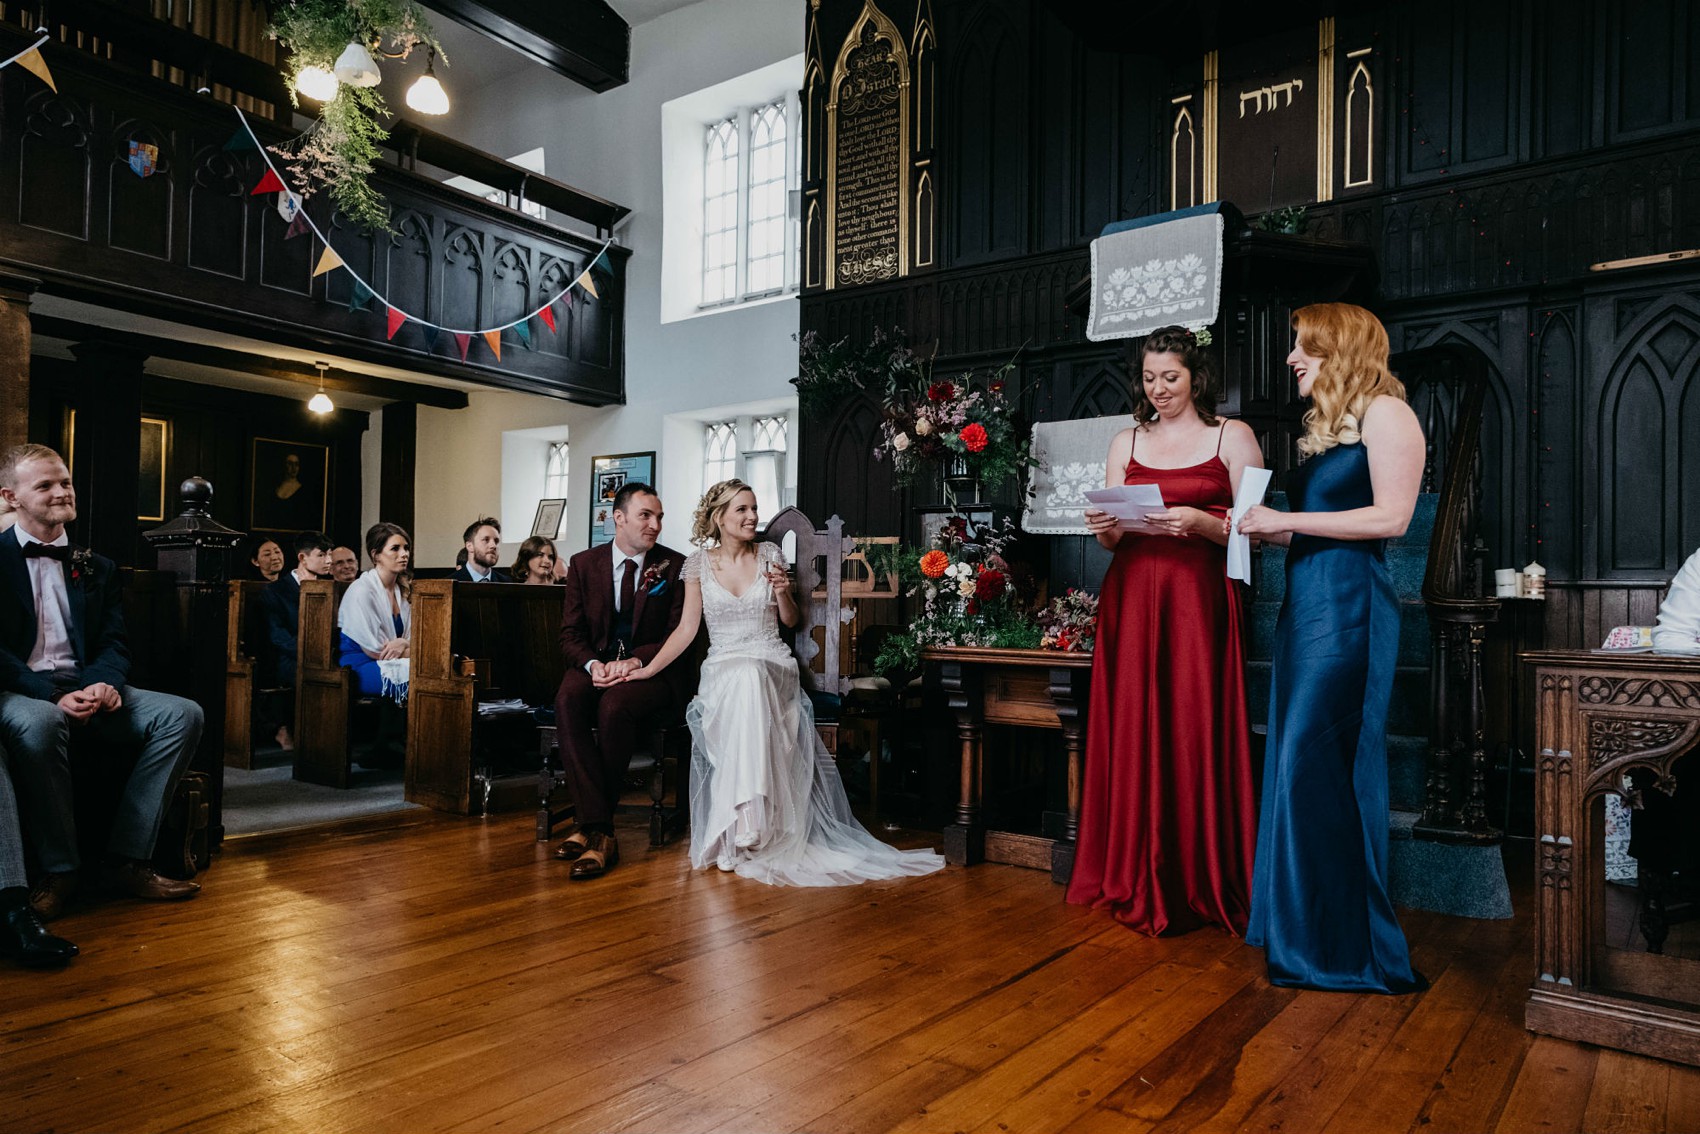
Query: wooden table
{"type": "Point", "coordinates": [1597, 716]}
{"type": "Point", "coordinates": [1031, 689]}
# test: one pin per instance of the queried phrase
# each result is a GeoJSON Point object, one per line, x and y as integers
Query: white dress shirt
{"type": "Point", "coordinates": [1678, 630]}
{"type": "Point", "coordinates": [52, 650]}
{"type": "Point", "coordinates": [478, 576]}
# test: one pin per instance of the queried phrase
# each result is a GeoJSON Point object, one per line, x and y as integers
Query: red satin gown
{"type": "Point", "coordinates": [1167, 818]}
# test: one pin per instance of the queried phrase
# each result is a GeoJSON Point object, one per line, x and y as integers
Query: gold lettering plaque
{"type": "Point", "coordinates": [867, 193]}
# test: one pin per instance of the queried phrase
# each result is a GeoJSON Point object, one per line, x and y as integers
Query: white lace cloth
{"type": "Point", "coordinates": [766, 798]}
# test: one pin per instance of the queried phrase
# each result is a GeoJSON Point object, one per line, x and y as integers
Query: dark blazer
{"type": "Point", "coordinates": [281, 601]}
{"type": "Point", "coordinates": [462, 575]}
{"type": "Point", "coordinates": [97, 623]}
{"type": "Point", "coordinates": [587, 612]}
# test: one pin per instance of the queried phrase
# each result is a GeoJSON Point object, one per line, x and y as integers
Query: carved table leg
{"type": "Point", "coordinates": [965, 840]}
{"type": "Point", "coordinates": [1068, 696]}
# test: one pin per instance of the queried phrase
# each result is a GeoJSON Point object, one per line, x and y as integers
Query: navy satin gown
{"type": "Point", "coordinates": [1319, 903]}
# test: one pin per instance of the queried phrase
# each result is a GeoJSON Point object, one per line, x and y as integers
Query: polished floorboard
{"type": "Point", "coordinates": [421, 972]}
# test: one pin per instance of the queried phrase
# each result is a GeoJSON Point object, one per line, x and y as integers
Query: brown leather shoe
{"type": "Point", "coordinates": [51, 892]}
{"type": "Point", "coordinates": [572, 846]}
{"type": "Point", "coordinates": [601, 856]}
{"type": "Point", "coordinates": [139, 880]}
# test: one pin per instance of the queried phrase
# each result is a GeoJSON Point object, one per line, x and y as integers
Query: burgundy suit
{"type": "Point", "coordinates": [625, 714]}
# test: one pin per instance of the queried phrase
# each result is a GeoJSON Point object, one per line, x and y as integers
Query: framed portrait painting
{"type": "Point", "coordinates": [607, 476]}
{"type": "Point", "coordinates": [150, 473]}
{"type": "Point", "coordinates": [547, 522]}
{"type": "Point", "coordinates": [288, 485]}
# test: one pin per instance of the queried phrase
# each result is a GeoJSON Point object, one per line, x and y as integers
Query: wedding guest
{"type": "Point", "coordinates": [766, 799]}
{"type": "Point", "coordinates": [1320, 908]}
{"type": "Point", "coordinates": [535, 562]}
{"type": "Point", "coordinates": [64, 692]}
{"type": "Point", "coordinates": [23, 938]}
{"type": "Point", "coordinates": [267, 560]}
{"type": "Point", "coordinates": [375, 617]}
{"type": "Point", "coordinates": [1166, 836]}
{"type": "Point", "coordinates": [482, 543]}
{"type": "Point", "coordinates": [1678, 631]}
{"type": "Point", "coordinates": [621, 601]}
{"type": "Point", "coordinates": [281, 602]}
{"type": "Point", "coordinates": [345, 565]}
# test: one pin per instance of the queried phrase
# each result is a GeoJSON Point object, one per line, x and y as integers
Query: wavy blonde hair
{"type": "Point", "coordinates": [1352, 345]}
{"type": "Point", "coordinates": [705, 522]}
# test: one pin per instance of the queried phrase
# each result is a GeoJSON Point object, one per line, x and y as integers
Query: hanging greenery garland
{"type": "Point", "coordinates": [338, 153]}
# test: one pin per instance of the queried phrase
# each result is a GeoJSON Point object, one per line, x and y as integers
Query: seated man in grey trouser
{"type": "Point", "coordinates": [63, 665]}
{"type": "Point", "coordinates": [22, 938]}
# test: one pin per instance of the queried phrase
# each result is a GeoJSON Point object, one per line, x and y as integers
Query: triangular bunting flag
{"type": "Point", "coordinates": [239, 141]}
{"type": "Point", "coordinates": [431, 333]}
{"type": "Point", "coordinates": [297, 227]}
{"type": "Point", "coordinates": [327, 261]}
{"type": "Point", "coordinates": [32, 62]}
{"type": "Point", "coordinates": [523, 330]}
{"type": "Point", "coordinates": [270, 183]}
{"type": "Point", "coordinates": [494, 338]}
{"type": "Point", "coordinates": [601, 263]}
{"type": "Point", "coordinates": [548, 317]}
{"type": "Point", "coordinates": [589, 285]}
{"type": "Point", "coordinates": [361, 299]}
{"type": "Point", "coordinates": [396, 319]}
{"type": "Point", "coordinates": [462, 341]}
{"type": "Point", "coordinates": [567, 298]}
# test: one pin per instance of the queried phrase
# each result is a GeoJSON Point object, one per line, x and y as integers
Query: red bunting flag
{"type": "Point", "coordinates": [494, 338]}
{"type": "Point", "coordinates": [548, 317]}
{"type": "Point", "coordinates": [396, 319]}
{"type": "Point", "coordinates": [463, 342]}
{"type": "Point", "coordinates": [270, 183]}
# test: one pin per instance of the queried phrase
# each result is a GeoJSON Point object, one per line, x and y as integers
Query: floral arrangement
{"type": "Point", "coordinates": [967, 593]}
{"type": "Point", "coordinates": [829, 373]}
{"type": "Point", "coordinates": [1069, 623]}
{"type": "Point", "coordinates": [926, 422]}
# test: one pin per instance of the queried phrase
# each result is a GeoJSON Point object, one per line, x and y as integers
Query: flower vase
{"type": "Point", "coordinates": [960, 483]}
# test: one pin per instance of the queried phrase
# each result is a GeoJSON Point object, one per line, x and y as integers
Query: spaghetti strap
{"type": "Point", "coordinates": [1219, 434]}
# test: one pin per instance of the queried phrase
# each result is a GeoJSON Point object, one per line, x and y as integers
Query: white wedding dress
{"type": "Point", "coordinates": [766, 799]}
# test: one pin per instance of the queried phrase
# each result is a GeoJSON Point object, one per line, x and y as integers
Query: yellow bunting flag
{"type": "Point", "coordinates": [494, 338]}
{"type": "Point", "coordinates": [32, 62]}
{"type": "Point", "coordinates": [327, 262]}
{"type": "Point", "coordinates": [589, 286]}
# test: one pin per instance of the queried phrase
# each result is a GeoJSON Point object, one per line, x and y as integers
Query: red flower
{"type": "Point", "coordinates": [990, 585]}
{"type": "Point", "coordinates": [974, 437]}
{"type": "Point", "coordinates": [941, 392]}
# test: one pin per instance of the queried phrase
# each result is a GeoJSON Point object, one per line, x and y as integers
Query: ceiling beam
{"type": "Point", "coordinates": [243, 362]}
{"type": "Point", "coordinates": [585, 40]}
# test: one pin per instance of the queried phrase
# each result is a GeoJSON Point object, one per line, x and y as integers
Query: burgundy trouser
{"type": "Point", "coordinates": [624, 717]}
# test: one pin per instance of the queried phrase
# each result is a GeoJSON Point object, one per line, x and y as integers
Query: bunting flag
{"type": "Point", "coordinates": [585, 282]}
{"type": "Point", "coordinates": [396, 319]}
{"type": "Point", "coordinates": [494, 338]}
{"type": "Point", "coordinates": [523, 330]}
{"type": "Point", "coordinates": [463, 341]}
{"type": "Point", "coordinates": [548, 317]}
{"type": "Point", "coordinates": [296, 228]}
{"type": "Point", "coordinates": [601, 264]}
{"type": "Point", "coordinates": [567, 299]}
{"type": "Point", "coordinates": [361, 299]}
{"type": "Point", "coordinates": [327, 261]}
{"type": "Point", "coordinates": [30, 60]}
{"type": "Point", "coordinates": [270, 183]}
{"type": "Point", "coordinates": [431, 333]}
{"type": "Point", "coordinates": [239, 141]}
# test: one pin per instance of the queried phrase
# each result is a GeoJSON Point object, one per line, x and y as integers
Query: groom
{"type": "Point", "coordinates": [622, 601]}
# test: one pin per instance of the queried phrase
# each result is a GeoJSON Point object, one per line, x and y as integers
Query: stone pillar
{"type": "Point", "coordinates": [108, 447]}
{"type": "Point", "coordinates": [15, 293]}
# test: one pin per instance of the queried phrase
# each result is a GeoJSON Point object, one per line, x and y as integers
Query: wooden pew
{"type": "Point", "coordinates": [245, 642]}
{"type": "Point", "coordinates": [324, 691]}
{"type": "Point", "coordinates": [472, 642]}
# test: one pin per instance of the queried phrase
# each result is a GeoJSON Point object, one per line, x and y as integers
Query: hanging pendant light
{"type": "Point", "coordinates": [321, 401]}
{"type": "Point", "coordinates": [356, 67]}
{"type": "Point", "coordinates": [316, 83]}
{"type": "Point", "coordinates": [427, 95]}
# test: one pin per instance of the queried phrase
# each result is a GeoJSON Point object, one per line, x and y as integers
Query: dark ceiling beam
{"type": "Point", "coordinates": [242, 362]}
{"type": "Point", "coordinates": [585, 40]}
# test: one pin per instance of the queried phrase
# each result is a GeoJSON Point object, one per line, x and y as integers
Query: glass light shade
{"type": "Point", "coordinates": [356, 67]}
{"type": "Point", "coordinates": [316, 83]}
{"type": "Point", "coordinates": [427, 95]}
{"type": "Point", "coordinates": [320, 403]}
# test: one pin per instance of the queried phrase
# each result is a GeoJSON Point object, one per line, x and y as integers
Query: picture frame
{"type": "Point", "coordinates": [288, 485]}
{"type": "Point", "coordinates": [150, 470]}
{"type": "Point", "coordinates": [607, 476]}
{"type": "Point", "coordinates": [547, 522]}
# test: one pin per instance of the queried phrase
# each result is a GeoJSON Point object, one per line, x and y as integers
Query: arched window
{"type": "Point", "coordinates": [720, 452]}
{"type": "Point", "coordinates": [720, 213]}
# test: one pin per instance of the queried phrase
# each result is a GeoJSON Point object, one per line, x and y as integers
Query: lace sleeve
{"type": "Point", "coordinates": [691, 572]}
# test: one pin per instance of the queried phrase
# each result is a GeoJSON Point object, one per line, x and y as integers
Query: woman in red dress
{"type": "Point", "coordinates": [1167, 814]}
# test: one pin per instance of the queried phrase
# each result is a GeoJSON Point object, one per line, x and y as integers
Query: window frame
{"type": "Point", "coordinates": [744, 119]}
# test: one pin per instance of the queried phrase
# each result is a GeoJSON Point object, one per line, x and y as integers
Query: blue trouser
{"type": "Point", "coordinates": [11, 838]}
{"type": "Point", "coordinates": [162, 728]}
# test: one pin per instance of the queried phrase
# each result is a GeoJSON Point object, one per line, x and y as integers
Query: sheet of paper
{"type": "Point", "coordinates": [1253, 484]}
{"type": "Point", "coordinates": [1128, 503]}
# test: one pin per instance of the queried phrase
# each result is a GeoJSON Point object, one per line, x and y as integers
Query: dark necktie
{"type": "Point", "coordinates": [627, 583]}
{"type": "Point", "coordinates": [60, 551]}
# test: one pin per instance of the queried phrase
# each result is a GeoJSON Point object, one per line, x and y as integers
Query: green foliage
{"type": "Point", "coordinates": [828, 374]}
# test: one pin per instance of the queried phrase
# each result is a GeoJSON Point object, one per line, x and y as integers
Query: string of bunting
{"type": "Point", "coordinates": [289, 207]}
{"type": "Point", "coordinates": [30, 60]}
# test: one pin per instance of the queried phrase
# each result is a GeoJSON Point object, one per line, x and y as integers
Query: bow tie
{"type": "Point", "coordinates": [59, 551]}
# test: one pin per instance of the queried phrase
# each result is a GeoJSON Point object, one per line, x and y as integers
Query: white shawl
{"type": "Point", "coordinates": [365, 617]}
{"type": "Point", "coordinates": [1678, 631]}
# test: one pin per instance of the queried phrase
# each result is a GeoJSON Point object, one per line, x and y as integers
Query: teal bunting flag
{"type": "Point", "coordinates": [239, 141]}
{"type": "Point", "coordinates": [523, 330]}
{"type": "Point", "coordinates": [431, 333]}
{"type": "Point", "coordinates": [361, 297]}
{"type": "Point", "coordinates": [602, 264]}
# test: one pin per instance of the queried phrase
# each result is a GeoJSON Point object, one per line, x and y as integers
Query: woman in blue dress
{"type": "Point", "coordinates": [1319, 903]}
{"type": "Point", "coordinates": [376, 619]}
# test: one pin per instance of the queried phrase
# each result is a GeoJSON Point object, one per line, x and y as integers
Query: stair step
{"type": "Point", "coordinates": [1407, 771]}
{"type": "Point", "coordinates": [1413, 632]}
{"type": "Point", "coordinates": [1464, 881]}
{"type": "Point", "coordinates": [1407, 715]}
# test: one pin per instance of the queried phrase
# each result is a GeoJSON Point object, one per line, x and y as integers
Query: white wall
{"type": "Point", "coordinates": [610, 144]}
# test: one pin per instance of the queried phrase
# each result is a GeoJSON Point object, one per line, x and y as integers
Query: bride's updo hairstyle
{"type": "Point", "coordinates": [1352, 345]}
{"type": "Point", "coordinates": [1206, 390]}
{"type": "Point", "coordinates": [705, 523]}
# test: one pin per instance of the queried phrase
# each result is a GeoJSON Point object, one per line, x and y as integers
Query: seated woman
{"type": "Point", "coordinates": [535, 562]}
{"type": "Point", "coordinates": [1678, 631]}
{"type": "Point", "coordinates": [375, 616]}
{"type": "Point", "coordinates": [267, 560]}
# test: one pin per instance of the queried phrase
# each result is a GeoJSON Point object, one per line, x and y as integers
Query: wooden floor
{"type": "Point", "coordinates": [433, 974]}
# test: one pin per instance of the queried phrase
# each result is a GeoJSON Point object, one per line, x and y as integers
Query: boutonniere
{"type": "Point", "coordinates": [654, 577]}
{"type": "Point", "coordinates": [81, 563]}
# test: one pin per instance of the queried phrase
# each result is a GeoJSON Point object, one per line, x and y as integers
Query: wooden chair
{"type": "Point", "coordinates": [666, 747]}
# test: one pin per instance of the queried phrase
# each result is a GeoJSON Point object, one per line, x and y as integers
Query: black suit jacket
{"type": "Point", "coordinates": [97, 623]}
{"type": "Point", "coordinates": [281, 600]}
{"type": "Point", "coordinates": [462, 575]}
{"type": "Point", "coordinates": [587, 612]}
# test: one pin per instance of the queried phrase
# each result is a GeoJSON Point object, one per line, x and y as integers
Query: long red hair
{"type": "Point", "coordinates": [1353, 347]}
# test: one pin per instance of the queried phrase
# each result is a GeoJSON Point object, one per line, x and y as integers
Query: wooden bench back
{"type": "Point", "coordinates": [245, 639]}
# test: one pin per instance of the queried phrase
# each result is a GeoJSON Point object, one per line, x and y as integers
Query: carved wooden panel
{"type": "Point", "coordinates": [986, 82]}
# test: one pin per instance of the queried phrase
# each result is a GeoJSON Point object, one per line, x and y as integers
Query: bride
{"type": "Point", "coordinates": [766, 800]}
